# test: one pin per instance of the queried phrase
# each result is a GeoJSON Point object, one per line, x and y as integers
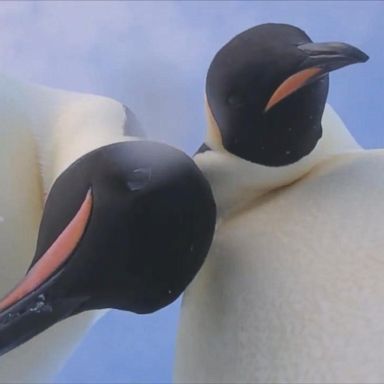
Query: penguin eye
{"type": "Point", "coordinates": [235, 100]}
{"type": "Point", "coordinates": [139, 178]}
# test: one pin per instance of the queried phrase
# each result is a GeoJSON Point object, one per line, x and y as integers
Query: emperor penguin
{"type": "Point", "coordinates": [128, 224]}
{"type": "Point", "coordinates": [292, 290]}
{"type": "Point", "coordinates": [125, 223]}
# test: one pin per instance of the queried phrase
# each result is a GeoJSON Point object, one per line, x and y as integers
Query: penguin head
{"type": "Point", "coordinates": [266, 91]}
{"type": "Point", "coordinates": [126, 226]}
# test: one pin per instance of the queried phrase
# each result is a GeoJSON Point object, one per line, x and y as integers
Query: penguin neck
{"type": "Point", "coordinates": [237, 183]}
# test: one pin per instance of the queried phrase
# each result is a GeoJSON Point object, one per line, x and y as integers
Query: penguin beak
{"type": "Point", "coordinates": [41, 298]}
{"type": "Point", "coordinates": [36, 312]}
{"type": "Point", "coordinates": [321, 58]}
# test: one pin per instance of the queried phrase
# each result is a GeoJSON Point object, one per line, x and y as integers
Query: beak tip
{"type": "Point", "coordinates": [356, 54]}
{"type": "Point", "coordinates": [364, 57]}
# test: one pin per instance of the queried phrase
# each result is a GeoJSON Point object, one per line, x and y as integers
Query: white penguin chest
{"type": "Point", "coordinates": [292, 289]}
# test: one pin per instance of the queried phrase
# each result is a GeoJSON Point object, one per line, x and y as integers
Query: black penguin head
{"type": "Point", "coordinates": [266, 91]}
{"type": "Point", "coordinates": [126, 226]}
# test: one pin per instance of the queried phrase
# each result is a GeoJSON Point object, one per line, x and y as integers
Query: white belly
{"type": "Point", "coordinates": [293, 289]}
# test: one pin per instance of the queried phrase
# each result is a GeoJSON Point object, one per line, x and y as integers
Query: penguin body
{"type": "Point", "coordinates": [291, 290]}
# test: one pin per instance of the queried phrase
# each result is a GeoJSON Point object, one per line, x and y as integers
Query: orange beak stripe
{"type": "Point", "coordinates": [54, 257]}
{"type": "Point", "coordinates": [290, 85]}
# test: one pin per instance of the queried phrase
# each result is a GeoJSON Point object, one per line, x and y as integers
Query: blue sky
{"type": "Point", "coordinates": [154, 57]}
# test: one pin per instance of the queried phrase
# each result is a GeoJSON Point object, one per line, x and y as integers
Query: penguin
{"type": "Point", "coordinates": [292, 288]}
{"type": "Point", "coordinates": [250, 315]}
{"type": "Point", "coordinates": [125, 223]}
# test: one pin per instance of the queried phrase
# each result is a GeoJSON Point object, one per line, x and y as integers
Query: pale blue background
{"type": "Point", "coordinates": [153, 57]}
